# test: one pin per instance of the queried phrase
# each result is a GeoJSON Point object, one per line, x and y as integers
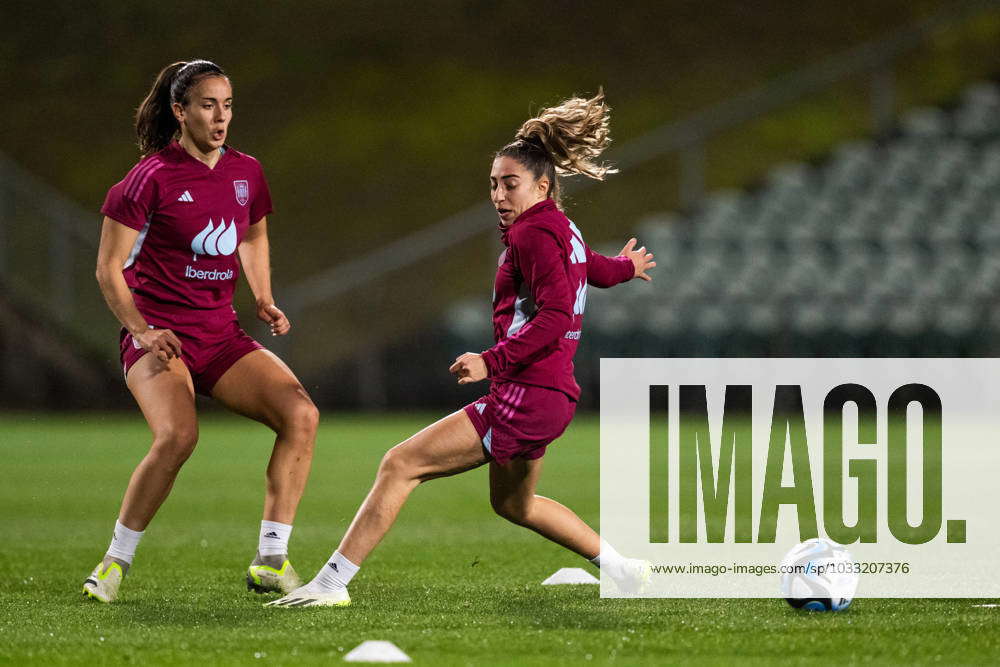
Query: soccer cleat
{"type": "Point", "coordinates": [301, 597]}
{"type": "Point", "coordinates": [103, 586]}
{"type": "Point", "coordinates": [634, 577]}
{"type": "Point", "coordinates": [263, 578]}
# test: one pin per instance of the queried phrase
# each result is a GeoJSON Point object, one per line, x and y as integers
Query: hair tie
{"type": "Point", "coordinates": [533, 142]}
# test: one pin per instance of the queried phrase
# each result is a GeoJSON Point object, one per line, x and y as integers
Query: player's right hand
{"type": "Point", "coordinates": [469, 367]}
{"type": "Point", "coordinates": [161, 342]}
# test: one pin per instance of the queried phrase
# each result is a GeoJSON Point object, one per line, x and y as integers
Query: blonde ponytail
{"type": "Point", "coordinates": [564, 140]}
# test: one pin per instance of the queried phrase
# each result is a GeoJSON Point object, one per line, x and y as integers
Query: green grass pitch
{"type": "Point", "coordinates": [452, 584]}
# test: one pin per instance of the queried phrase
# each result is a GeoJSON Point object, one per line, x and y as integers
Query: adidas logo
{"type": "Point", "coordinates": [186, 197]}
{"type": "Point", "coordinates": [334, 566]}
{"type": "Point", "coordinates": [273, 535]}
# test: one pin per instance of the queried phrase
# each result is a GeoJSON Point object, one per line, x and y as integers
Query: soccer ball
{"type": "Point", "coordinates": [818, 575]}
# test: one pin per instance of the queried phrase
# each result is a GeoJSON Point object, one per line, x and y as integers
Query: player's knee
{"type": "Point", "coordinates": [173, 444]}
{"type": "Point", "coordinates": [514, 510]}
{"type": "Point", "coordinates": [300, 416]}
{"type": "Point", "coordinates": [394, 464]}
{"type": "Point", "coordinates": [304, 417]}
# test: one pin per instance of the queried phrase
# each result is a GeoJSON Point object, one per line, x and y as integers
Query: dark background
{"type": "Point", "coordinates": [376, 119]}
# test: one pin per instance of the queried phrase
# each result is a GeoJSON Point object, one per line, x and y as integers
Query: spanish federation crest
{"type": "Point", "coordinates": [242, 192]}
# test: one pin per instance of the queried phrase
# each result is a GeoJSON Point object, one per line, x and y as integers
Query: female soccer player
{"type": "Point", "coordinates": [539, 299]}
{"type": "Point", "coordinates": [167, 267]}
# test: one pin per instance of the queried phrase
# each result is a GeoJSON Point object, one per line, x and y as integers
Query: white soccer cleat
{"type": "Point", "coordinates": [262, 578]}
{"type": "Point", "coordinates": [103, 582]}
{"type": "Point", "coordinates": [302, 597]}
{"type": "Point", "coordinates": [634, 576]}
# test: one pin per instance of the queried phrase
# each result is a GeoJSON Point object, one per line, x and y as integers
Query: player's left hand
{"type": "Point", "coordinates": [468, 368]}
{"type": "Point", "coordinates": [272, 315]}
{"type": "Point", "coordinates": [641, 260]}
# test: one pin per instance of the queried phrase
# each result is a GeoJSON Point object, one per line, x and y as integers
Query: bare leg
{"type": "Point", "coordinates": [166, 396]}
{"type": "Point", "coordinates": [446, 447]}
{"type": "Point", "coordinates": [262, 387]}
{"type": "Point", "coordinates": [512, 494]}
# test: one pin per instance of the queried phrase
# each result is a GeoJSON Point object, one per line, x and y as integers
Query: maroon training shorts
{"type": "Point", "coordinates": [211, 342]}
{"type": "Point", "coordinates": [519, 420]}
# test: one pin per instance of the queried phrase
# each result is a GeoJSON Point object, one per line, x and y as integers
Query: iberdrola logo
{"type": "Point", "coordinates": [215, 241]}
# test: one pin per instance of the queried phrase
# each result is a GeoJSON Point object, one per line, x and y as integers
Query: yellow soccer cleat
{"type": "Point", "coordinates": [302, 597]}
{"type": "Point", "coordinates": [103, 582]}
{"type": "Point", "coordinates": [263, 578]}
{"type": "Point", "coordinates": [634, 578]}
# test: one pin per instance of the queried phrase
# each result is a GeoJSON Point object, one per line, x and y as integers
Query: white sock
{"type": "Point", "coordinates": [609, 560]}
{"type": "Point", "coordinates": [274, 538]}
{"type": "Point", "coordinates": [335, 575]}
{"type": "Point", "coordinates": [123, 542]}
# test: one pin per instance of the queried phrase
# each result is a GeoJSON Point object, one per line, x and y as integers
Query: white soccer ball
{"type": "Point", "coordinates": [818, 575]}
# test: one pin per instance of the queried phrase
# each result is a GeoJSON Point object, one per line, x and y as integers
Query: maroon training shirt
{"type": "Point", "coordinates": [190, 220]}
{"type": "Point", "coordinates": [540, 295]}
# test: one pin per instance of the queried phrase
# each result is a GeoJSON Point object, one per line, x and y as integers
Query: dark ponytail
{"type": "Point", "coordinates": [155, 125]}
